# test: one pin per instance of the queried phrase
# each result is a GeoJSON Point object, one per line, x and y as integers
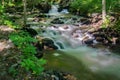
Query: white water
{"type": "Point", "coordinates": [54, 10]}
{"type": "Point", "coordinates": [64, 11]}
{"type": "Point", "coordinates": [98, 60]}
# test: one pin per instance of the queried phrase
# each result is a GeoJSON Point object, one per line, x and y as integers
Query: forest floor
{"type": "Point", "coordinates": [10, 57]}
{"type": "Point", "coordinates": [5, 43]}
{"type": "Point", "coordinates": [7, 52]}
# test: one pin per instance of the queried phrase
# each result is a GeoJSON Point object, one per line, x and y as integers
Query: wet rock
{"type": "Point", "coordinates": [57, 21]}
{"type": "Point", "coordinates": [44, 44]}
{"type": "Point", "coordinates": [39, 49]}
{"type": "Point", "coordinates": [74, 18]}
{"type": "Point", "coordinates": [42, 15]}
{"type": "Point", "coordinates": [85, 21]}
{"type": "Point", "coordinates": [31, 31]}
{"type": "Point", "coordinates": [107, 36]}
{"type": "Point", "coordinates": [57, 75]}
{"type": "Point", "coordinates": [115, 49]}
{"type": "Point", "coordinates": [101, 30]}
{"type": "Point", "coordinates": [99, 39]}
{"type": "Point", "coordinates": [39, 54]}
{"type": "Point", "coordinates": [89, 41]}
{"type": "Point", "coordinates": [91, 30]}
{"type": "Point", "coordinates": [84, 28]}
{"type": "Point", "coordinates": [47, 41]}
{"type": "Point", "coordinates": [48, 44]}
{"type": "Point", "coordinates": [60, 45]}
{"type": "Point", "coordinates": [102, 35]}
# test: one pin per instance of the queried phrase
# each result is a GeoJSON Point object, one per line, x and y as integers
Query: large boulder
{"type": "Point", "coordinates": [44, 44]}
{"type": "Point", "coordinates": [48, 44]}
{"type": "Point", "coordinates": [31, 31]}
{"type": "Point", "coordinates": [88, 41]}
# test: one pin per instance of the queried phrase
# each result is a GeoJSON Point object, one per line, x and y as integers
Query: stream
{"type": "Point", "coordinates": [73, 55]}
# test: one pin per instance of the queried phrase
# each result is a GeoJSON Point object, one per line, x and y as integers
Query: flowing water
{"type": "Point", "coordinates": [97, 60]}
{"type": "Point", "coordinates": [54, 10]}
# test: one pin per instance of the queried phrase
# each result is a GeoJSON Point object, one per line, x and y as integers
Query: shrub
{"type": "Point", "coordinates": [86, 6]}
{"type": "Point", "coordinates": [28, 59]}
{"type": "Point", "coordinates": [93, 6]}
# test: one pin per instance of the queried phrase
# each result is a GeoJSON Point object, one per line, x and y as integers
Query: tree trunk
{"type": "Point", "coordinates": [104, 10]}
{"type": "Point", "coordinates": [24, 11]}
{"type": "Point", "coordinates": [3, 2]}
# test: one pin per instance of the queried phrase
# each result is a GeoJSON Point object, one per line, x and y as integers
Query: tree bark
{"type": "Point", "coordinates": [104, 10]}
{"type": "Point", "coordinates": [24, 11]}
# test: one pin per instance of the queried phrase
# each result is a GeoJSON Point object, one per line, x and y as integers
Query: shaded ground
{"type": "Point", "coordinates": [10, 62]}
{"type": "Point", "coordinates": [5, 43]}
{"type": "Point", "coordinates": [7, 52]}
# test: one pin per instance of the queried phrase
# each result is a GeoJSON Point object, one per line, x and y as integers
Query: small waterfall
{"type": "Point", "coordinates": [71, 43]}
{"type": "Point", "coordinates": [64, 11]}
{"type": "Point", "coordinates": [54, 10]}
{"type": "Point", "coordinates": [66, 35]}
{"type": "Point", "coordinates": [68, 38]}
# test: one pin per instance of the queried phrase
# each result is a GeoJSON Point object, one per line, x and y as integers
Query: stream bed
{"type": "Point", "coordinates": [73, 56]}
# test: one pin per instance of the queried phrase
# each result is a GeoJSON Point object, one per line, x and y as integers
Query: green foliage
{"type": "Point", "coordinates": [86, 6]}
{"type": "Point", "coordinates": [93, 6]}
{"type": "Point", "coordinates": [11, 4]}
{"type": "Point", "coordinates": [2, 14]}
{"type": "Point", "coordinates": [117, 25]}
{"type": "Point", "coordinates": [21, 39]}
{"type": "Point", "coordinates": [4, 19]}
{"type": "Point", "coordinates": [113, 5]}
{"type": "Point", "coordinates": [10, 24]}
{"type": "Point", "coordinates": [1, 9]}
{"type": "Point", "coordinates": [23, 42]}
{"type": "Point", "coordinates": [28, 59]}
{"type": "Point", "coordinates": [107, 22]}
{"type": "Point", "coordinates": [13, 70]}
{"type": "Point", "coordinates": [33, 64]}
{"type": "Point", "coordinates": [35, 2]}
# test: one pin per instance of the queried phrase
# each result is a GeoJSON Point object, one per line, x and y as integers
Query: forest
{"type": "Point", "coordinates": [59, 39]}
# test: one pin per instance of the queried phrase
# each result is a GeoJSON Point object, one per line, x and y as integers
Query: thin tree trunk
{"type": "Point", "coordinates": [3, 2]}
{"type": "Point", "coordinates": [24, 11]}
{"type": "Point", "coordinates": [104, 10]}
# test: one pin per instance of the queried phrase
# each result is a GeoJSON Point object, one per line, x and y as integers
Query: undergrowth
{"type": "Point", "coordinates": [24, 42]}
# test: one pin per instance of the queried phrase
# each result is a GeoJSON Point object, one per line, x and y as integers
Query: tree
{"type": "Point", "coordinates": [24, 11]}
{"type": "Point", "coordinates": [104, 10]}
